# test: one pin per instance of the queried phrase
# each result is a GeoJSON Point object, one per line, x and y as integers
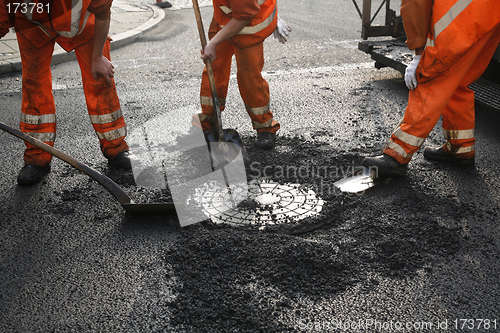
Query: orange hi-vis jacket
{"type": "Point", "coordinates": [70, 22]}
{"type": "Point", "coordinates": [247, 47]}
{"type": "Point", "coordinates": [460, 38]}
{"type": "Point", "coordinates": [449, 34]}
{"type": "Point", "coordinates": [67, 18]}
{"type": "Point", "coordinates": [263, 15]}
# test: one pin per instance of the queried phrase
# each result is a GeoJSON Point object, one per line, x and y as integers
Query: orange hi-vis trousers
{"type": "Point", "coordinates": [254, 90]}
{"type": "Point", "coordinates": [447, 95]}
{"type": "Point", "coordinates": [38, 118]}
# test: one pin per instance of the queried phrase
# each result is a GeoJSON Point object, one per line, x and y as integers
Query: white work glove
{"type": "Point", "coordinates": [281, 31]}
{"type": "Point", "coordinates": [410, 73]}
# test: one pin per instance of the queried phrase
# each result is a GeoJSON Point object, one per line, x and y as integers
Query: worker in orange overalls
{"type": "Point", "coordinates": [80, 25]}
{"type": "Point", "coordinates": [454, 41]}
{"type": "Point", "coordinates": [239, 27]}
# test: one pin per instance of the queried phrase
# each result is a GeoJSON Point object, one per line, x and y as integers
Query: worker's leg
{"type": "Point", "coordinates": [38, 118]}
{"type": "Point", "coordinates": [254, 89]}
{"type": "Point", "coordinates": [459, 116]}
{"type": "Point", "coordinates": [426, 104]}
{"type": "Point", "coordinates": [221, 68]}
{"type": "Point", "coordinates": [102, 104]}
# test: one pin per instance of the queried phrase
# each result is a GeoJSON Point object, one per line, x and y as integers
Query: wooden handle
{"type": "Point", "coordinates": [201, 31]}
{"type": "Point", "coordinates": [210, 72]}
{"type": "Point", "coordinates": [203, 40]}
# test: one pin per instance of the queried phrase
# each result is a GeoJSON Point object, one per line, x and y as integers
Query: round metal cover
{"type": "Point", "coordinates": [267, 203]}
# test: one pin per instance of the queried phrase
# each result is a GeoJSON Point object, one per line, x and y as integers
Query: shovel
{"type": "Point", "coordinates": [359, 181]}
{"type": "Point", "coordinates": [227, 152]}
{"type": "Point", "coordinates": [107, 183]}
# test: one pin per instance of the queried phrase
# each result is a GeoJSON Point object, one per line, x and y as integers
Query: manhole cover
{"type": "Point", "coordinates": [267, 203]}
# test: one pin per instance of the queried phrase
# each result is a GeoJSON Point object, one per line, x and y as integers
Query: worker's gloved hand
{"type": "Point", "coordinates": [410, 74]}
{"type": "Point", "coordinates": [281, 31]}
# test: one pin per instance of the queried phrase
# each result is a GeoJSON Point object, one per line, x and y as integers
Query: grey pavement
{"type": "Point", "coordinates": [129, 19]}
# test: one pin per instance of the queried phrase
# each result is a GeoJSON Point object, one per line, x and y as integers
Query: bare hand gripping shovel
{"type": "Point", "coordinates": [107, 183]}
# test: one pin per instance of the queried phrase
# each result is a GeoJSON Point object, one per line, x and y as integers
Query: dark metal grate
{"type": "Point", "coordinates": [487, 93]}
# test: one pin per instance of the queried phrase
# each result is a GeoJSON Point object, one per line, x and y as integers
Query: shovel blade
{"type": "Point", "coordinates": [227, 149]}
{"type": "Point", "coordinates": [359, 181]}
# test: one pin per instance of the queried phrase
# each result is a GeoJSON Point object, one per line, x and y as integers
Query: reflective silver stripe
{"type": "Point", "coordinates": [29, 12]}
{"type": "Point", "coordinates": [259, 27]}
{"type": "Point", "coordinates": [458, 134]}
{"type": "Point", "coordinates": [258, 111]}
{"type": "Point", "coordinates": [29, 16]}
{"type": "Point", "coordinates": [206, 117]}
{"type": "Point", "coordinates": [204, 100]}
{"type": "Point", "coordinates": [398, 149]}
{"type": "Point", "coordinates": [208, 101]}
{"type": "Point", "coordinates": [76, 12]}
{"type": "Point", "coordinates": [408, 138]}
{"type": "Point", "coordinates": [262, 125]}
{"type": "Point", "coordinates": [113, 135]}
{"type": "Point", "coordinates": [461, 150]}
{"type": "Point", "coordinates": [44, 137]}
{"type": "Point", "coordinates": [87, 14]}
{"type": "Point", "coordinates": [228, 10]}
{"type": "Point", "coordinates": [447, 18]}
{"type": "Point", "coordinates": [106, 118]}
{"type": "Point", "coordinates": [38, 120]}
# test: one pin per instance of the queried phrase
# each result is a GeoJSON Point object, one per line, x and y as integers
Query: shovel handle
{"type": "Point", "coordinates": [210, 72]}
{"type": "Point", "coordinates": [108, 184]}
{"type": "Point", "coordinates": [199, 21]}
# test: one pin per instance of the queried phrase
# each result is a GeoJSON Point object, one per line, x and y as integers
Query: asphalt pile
{"type": "Point", "coordinates": [243, 280]}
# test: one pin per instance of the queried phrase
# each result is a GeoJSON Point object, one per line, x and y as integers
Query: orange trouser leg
{"type": "Point", "coordinates": [459, 134]}
{"type": "Point", "coordinates": [102, 104]}
{"type": "Point", "coordinates": [445, 95]}
{"type": "Point", "coordinates": [221, 68]}
{"type": "Point", "coordinates": [254, 90]}
{"type": "Point", "coordinates": [38, 109]}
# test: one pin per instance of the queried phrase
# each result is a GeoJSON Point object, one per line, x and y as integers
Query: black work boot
{"type": "Point", "coordinates": [32, 174]}
{"type": "Point", "coordinates": [385, 166]}
{"type": "Point", "coordinates": [265, 140]}
{"type": "Point", "coordinates": [439, 155]}
{"type": "Point", "coordinates": [123, 160]}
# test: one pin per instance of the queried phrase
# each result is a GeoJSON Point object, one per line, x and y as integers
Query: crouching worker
{"type": "Point", "coordinates": [239, 28]}
{"type": "Point", "coordinates": [80, 25]}
{"type": "Point", "coordinates": [454, 41]}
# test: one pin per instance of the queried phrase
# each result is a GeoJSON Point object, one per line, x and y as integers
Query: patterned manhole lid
{"type": "Point", "coordinates": [267, 203]}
